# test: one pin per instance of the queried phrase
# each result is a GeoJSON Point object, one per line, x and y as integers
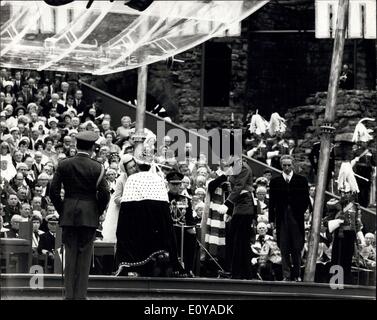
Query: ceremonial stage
{"type": "Point", "coordinates": [17, 287]}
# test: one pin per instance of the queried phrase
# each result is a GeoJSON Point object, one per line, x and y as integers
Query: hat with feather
{"type": "Point", "coordinates": [276, 124]}
{"type": "Point", "coordinates": [361, 133]}
{"type": "Point", "coordinates": [346, 178]}
{"type": "Point", "coordinates": [258, 124]}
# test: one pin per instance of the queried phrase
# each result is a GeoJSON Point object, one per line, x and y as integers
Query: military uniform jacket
{"type": "Point", "coordinates": [46, 242]}
{"type": "Point", "coordinates": [189, 218]}
{"type": "Point", "coordinates": [83, 203]}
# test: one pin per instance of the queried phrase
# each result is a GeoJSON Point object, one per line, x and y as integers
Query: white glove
{"type": "Point", "coordinates": [223, 209]}
{"type": "Point", "coordinates": [229, 171]}
{"type": "Point", "coordinates": [227, 217]}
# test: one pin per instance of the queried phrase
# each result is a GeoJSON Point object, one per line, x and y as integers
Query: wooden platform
{"type": "Point", "coordinates": [16, 286]}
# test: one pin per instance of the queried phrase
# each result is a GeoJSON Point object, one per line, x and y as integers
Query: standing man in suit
{"type": "Point", "coordinates": [86, 197]}
{"type": "Point", "coordinates": [289, 199]}
{"type": "Point", "coordinates": [79, 103]}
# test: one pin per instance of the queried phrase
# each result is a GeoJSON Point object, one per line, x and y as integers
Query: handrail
{"type": "Point", "coordinates": [147, 112]}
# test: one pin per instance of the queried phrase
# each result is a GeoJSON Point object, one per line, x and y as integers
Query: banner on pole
{"type": "Point", "coordinates": [361, 19]}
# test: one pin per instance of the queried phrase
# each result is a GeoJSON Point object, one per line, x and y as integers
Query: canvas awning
{"type": "Point", "coordinates": [110, 37]}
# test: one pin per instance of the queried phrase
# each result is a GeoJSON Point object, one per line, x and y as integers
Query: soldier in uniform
{"type": "Point", "coordinates": [255, 141]}
{"type": "Point", "coordinates": [347, 225]}
{"type": "Point", "coordinates": [277, 146]}
{"type": "Point", "coordinates": [86, 197]}
{"type": "Point", "coordinates": [181, 210]}
{"type": "Point", "coordinates": [363, 161]}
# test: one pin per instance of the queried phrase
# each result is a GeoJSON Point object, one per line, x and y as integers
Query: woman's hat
{"type": "Point", "coordinates": [124, 160]}
{"type": "Point", "coordinates": [52, 119]}
{"type": "Point", "coordinates": [20, 108]}
{"type": "Point", "coordinates": [37, 216]}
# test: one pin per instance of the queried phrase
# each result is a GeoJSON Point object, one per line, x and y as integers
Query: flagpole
{"type": "Point", "coordinates": [327, 131]}
{"type": "Point", "coordinates": [140, 110]}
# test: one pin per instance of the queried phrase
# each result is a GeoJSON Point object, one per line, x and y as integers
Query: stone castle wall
{"type": "Point", "coordinates": [303, 122]}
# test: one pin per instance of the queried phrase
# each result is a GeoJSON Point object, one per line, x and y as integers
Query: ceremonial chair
{"type": "Point", "coordinates": [17, 252]}
{"type": "Point", "coordinates": [103, 257]}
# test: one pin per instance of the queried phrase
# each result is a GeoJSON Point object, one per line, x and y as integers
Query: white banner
{"type": "Point", "coordinates": [361, 19]}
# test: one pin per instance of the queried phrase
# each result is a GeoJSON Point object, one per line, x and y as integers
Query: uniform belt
{"type": "Point", "coordinates": [86, 197]}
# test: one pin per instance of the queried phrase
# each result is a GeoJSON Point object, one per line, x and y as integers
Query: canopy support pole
{"type": "Point", "coordinates": [327, 131]}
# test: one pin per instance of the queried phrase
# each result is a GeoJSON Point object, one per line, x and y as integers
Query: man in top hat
{"type": "Point", "coordinates": [86, 197]}
{"type": "Point", "coordinates": [181, 210]}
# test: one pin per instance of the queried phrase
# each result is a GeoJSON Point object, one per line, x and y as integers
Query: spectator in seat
{"type": "Point", "coordinates": [258, 249]}
{"type": "Point", "coordinates": [36, 220]}
{"type": "Point", "coordinates": [25, 211]}
{"type": "Point", "coordinates": [47, 240]}
{"type": "Point", "coordinates": [43, 181]}
{"type": "Point", "coordinates": [12, 208]}
{"type": "Point", "coordinates": [14, 226]}
{"type": "Point", "coordinates": [368, 251]}
{"type": "Point", "coordinates": [124, 130]}
{"type": "Point", "coordinates": [262, 202]}
{"type": "Point", "coordinates": [111, 179]}
{"type": "Point", "coordinates": [79, 103]}
{"type": "Point", "coordinates": [3, 231]}
{"type": "Point", "coordinates": [270, 260]}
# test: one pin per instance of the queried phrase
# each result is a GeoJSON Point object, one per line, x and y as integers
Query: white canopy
{"type": "Point", "coordinates": [110, 36]}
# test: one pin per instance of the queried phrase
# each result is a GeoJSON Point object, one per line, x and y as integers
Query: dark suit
{"type": "Point", "coordinates": [12, 233]}
{"type": "Point", "coordinates": [35, 169]}
{"type": "Point", "coordinates": [17, 87]}
{"type": "Point", "coordinates": [26, 96]}
{"type": "Point", "coordinates": [59, 109]}
{"type": "Point", "coordinates": [46, 242]}
{"type": "Point", "coordinates": [80, 106]}
{"type": "Point", "coordinates": [287, 205]}
{"type": "Point", "coordinates": [45, 101]}
{"type": "Point", "coordinates": [79, 216]}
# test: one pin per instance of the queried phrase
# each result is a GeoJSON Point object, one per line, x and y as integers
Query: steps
{"type": "Point", "coordinates": [16, 286]}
